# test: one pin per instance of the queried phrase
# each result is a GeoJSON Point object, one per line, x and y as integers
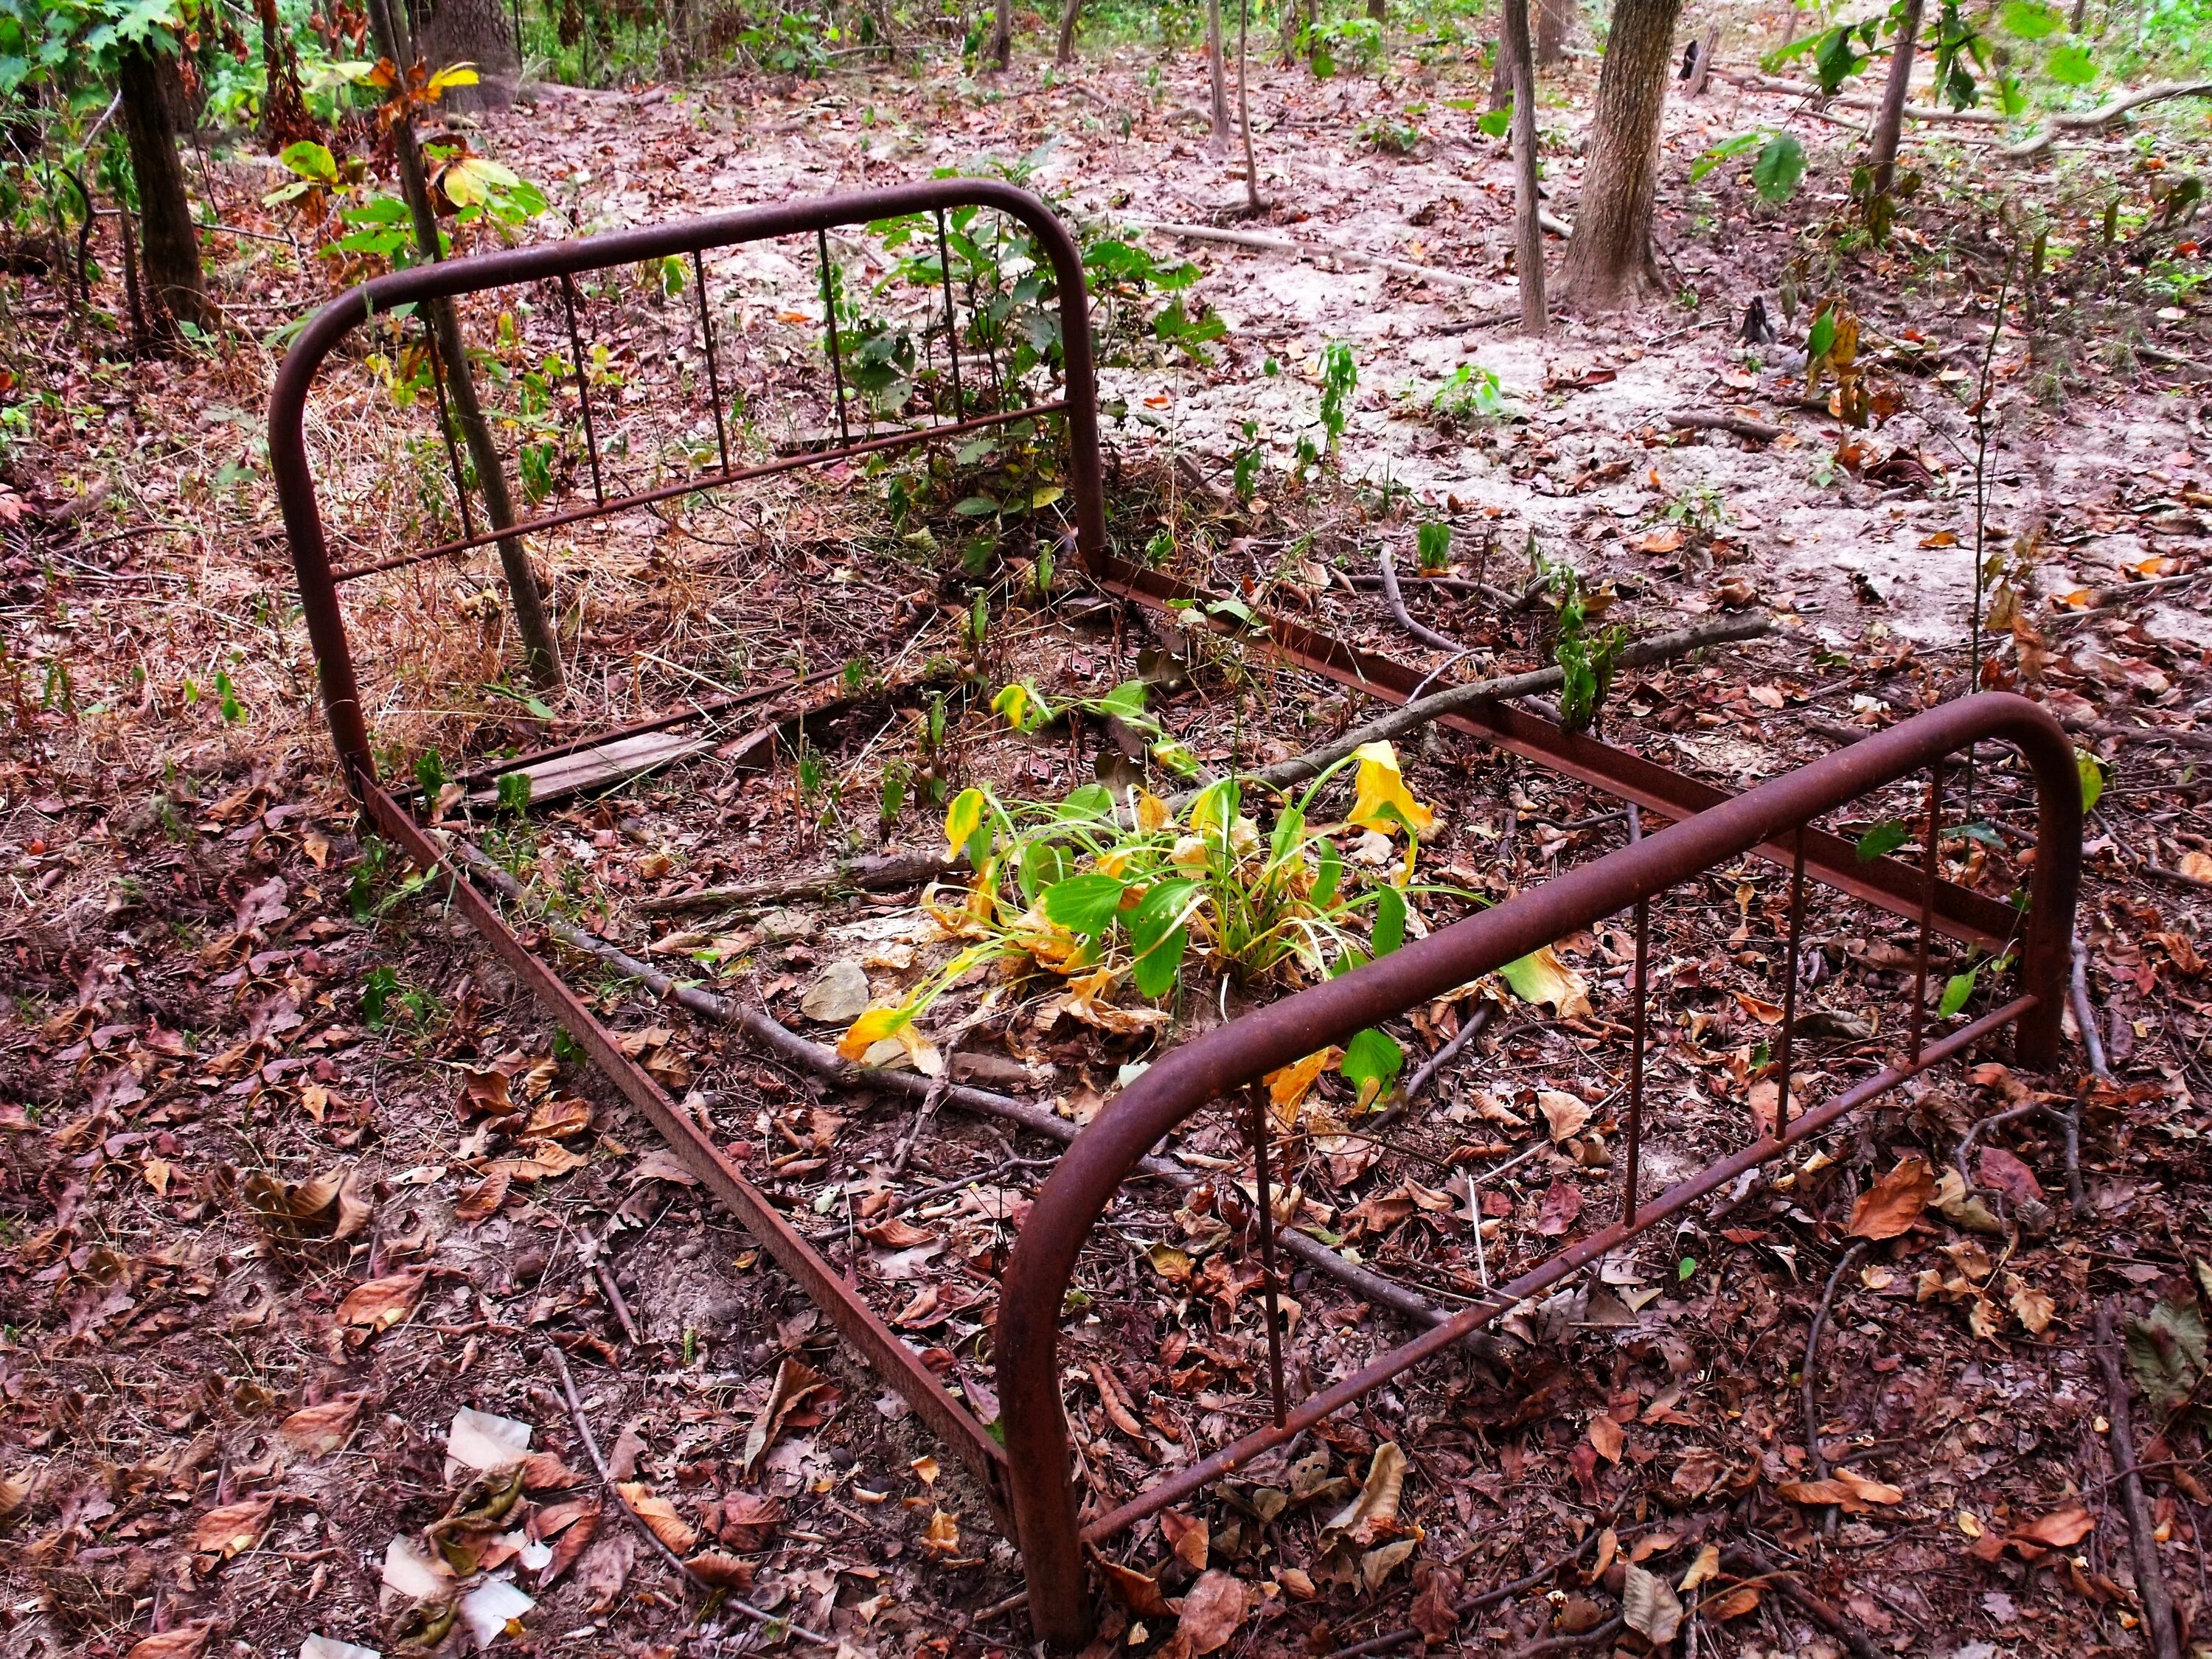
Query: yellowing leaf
{"type": "Point", "coordinates": [1153, 813]}
{"type": "Point", "coordinates": [473, 180]}
{"type": "Point", "coordinates": [1383, 803]}
{"type": "Point", "coordinates": [1374, 1513]}
{"type": "Point", "coordinates": [871, 1028]}
{"type": "Point", "coordinates": [1289, 1087]}
{"type": "Point", "coordinates": [453, 75]}
{"type": "Point", "coordinates": [660, 1515]}
{"type": "Point", "coordinates": [961, 819]}
{"type": "Point", "coordinates": [1541, 976]}
{"type": "Point", "coordinates": [942, 1537]}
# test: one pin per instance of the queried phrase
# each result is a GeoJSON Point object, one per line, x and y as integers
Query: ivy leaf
{"type": "Point", "coordinates": [1372, 1060]}
{"type": "Point", "coordinates": [1881, 841]}
{"type": "Point", "coordinates": [1389, 931]}
{"type": "Point", "coordinates": [1781, 164]}
{"type": "Point", "coordinates": [1956, 991]}
{"type": "Point", "coordinates": [2092, 779]}
{"type": "Point", "coordinates": [2030, 19]}
{"type": "Point", "coordinates": [1159, 937]}
{"type": "Point", "coordinates": [1084, 904]}
{"type": "Point", "coordinates": [2071, 64]}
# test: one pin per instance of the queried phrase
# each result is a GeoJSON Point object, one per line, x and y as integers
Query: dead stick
{"type": "Point", "coordinates": [1813, 1451]}
{"type": "Point", "coordinates": [1426, 635]}
{"type": "Point", "coordinates": [2150, 1582]}
{"type": "Point", "coordinates": [787, 1045]}
{"type": "Point", "coordinates": [866, 875]}
{"type": "Point", "coordinates": [1749, 1561]}
{"type": "Point", "coordinates": [604, 1274]}
{"type": "Point", "coordinates": [1412, 716]}
{"type": "Point", "coordinates": [2177, 878]}
{"type": "Point", "coordinates": [1698, 420]}
{"type": "Point", "coordinates": [614, 1490]}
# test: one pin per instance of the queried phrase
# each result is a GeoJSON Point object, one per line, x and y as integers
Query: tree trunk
{"type": "Point", "coordinates": [1002, 34]}
{"type": "Point", "coordinates": [1528, 260]}
{"type": "Point", "coordinates": [167, 237]}
{"type": "Point", "coordinates": [1252, 203]}
{"type": "Point", "coordinates": [1889, 126]}
{"type": "Point", "coordinates": [1554, 18]}
{"type": "Point", "coordinates": [1065, 53]}
{"type": "Point", "coordinates": [541, 648]}
{"type": "Point", "coordinates": [476, 31]}
{"type": "Point", "coordinates": [1216, 77]}
{"type": "Point", "coordinates": [1609, 263]}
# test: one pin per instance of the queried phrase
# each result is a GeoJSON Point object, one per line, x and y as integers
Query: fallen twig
{"type": "Point", "coordinates": [2150, 1582]}
{"type": "Point", "coordinates": [1412, 716]}
{"type": "Point", "coordinates": [1420, 631]}
{"type": "Point", "coordinates": [2090, 120]}
{"type": "Point", "coordinates": [2152, 734]}
{"type": "Point", "coordinates": [1743, 1559]}
{"type": "Point", "coordinates": [559, 1362]}
{"type": "Point", "coordinates": [1470, 1027]}
{"type": "Point", "coordinates": [2177, 878]}
{"type": "Point", "coordinates": [1701, 420]}
{"type": "Point", "coordinates": [1812, 1453]}
{"type": "Point", "coordinates": [1611, 1628]}
{"type": "Point", "coordinates": [864, 875]}
{"type": "Point", "coordinates": [1258, 243]}
{"type": "Point", "coordinates": [788, 1046]}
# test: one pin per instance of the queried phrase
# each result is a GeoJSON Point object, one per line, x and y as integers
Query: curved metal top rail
{"type": "Point", "coordinates": [295, 376]}
{"type": "Point", "coordinates": [1241, 1052]}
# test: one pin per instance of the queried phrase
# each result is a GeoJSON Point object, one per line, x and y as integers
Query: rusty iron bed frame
{"type": "Point", "coordinates": [1029, 1480]}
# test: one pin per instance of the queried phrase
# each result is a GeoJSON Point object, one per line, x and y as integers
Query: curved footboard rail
{"type": "Point", "coordinates": [1234, 1057]}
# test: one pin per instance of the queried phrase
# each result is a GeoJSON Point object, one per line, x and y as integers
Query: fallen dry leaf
{"type": "Point", "coordinates": [1136, 1592]}
{"type": "Point", "coordinates": [233, 1528]}
{"type": "Point", "coordinates": [317, 1430]}
{"type": "Point", "coordinates": [1212, 1608]}
{"type": "Point", "coordinates": [722, 1571]}
{"type": "Point", "coordinates": [660, 1515]}
{"type": "Point", "coordinates": [1889, 1207]}
{"type": "Point", "coordinates": [795, 1380]}
{"type": "Point", "coordinates": [383, 1302]}
{"type": "Point", "coordinates": [1189, 1536]}
{"type": "Point", "coordinates": [941, 1538]}
{"type": "Point", "coordinates": [2061, 1529]}
{"type": "Point", "coordinates": [186, 1642]}
{"type": "Point", "coordinates": [1607, 1437]}
{"type": "Point", "coordinates": [1565, 1114]}
{"type": "Point", "coordinates": [1648, 1606]}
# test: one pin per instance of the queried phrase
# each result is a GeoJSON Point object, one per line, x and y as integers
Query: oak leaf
{"type": "Point", "coordinates": [1889, 1207]}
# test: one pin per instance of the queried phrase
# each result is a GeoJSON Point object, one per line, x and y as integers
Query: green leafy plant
{"type": "Point", "coordinates": [1469, 395]}
{"type": "Point", "coordinates": [1586, 658]}
{"type": "Point", "coordinates": [1096, 891]}
{"type": "Point", "coordinates": [1776, 172]}
{"type": "Point", "coordinates": [1433, 545]}
{"type": "Point", "coordinates": [1339, 380]}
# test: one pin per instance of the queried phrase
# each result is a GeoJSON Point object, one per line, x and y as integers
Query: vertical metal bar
{"type": "Point", "coordinates": [952, 318]}
{"type": "Point", "coordinates": [1259, 1098]}
{"type": "Point", "coordinates": [829, 318]}
{"type": "Point", "coordinates": [583, 389]}
{"type": "Point", "coordinates": [1930, 857]}
{"type": "Point", "coordinates": [445, 427]}
{"type": "Point", "coordinates": [714, 373]}
{"type": "Point", "coordinates": [1632, 1176]}
{"type": "Point", "coordinates": [1790, 984]}
{"type": "Point", "coordinates": [1632, 1173]}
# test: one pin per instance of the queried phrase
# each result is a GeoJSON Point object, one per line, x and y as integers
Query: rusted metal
{"type": "Point", "coordinates": [1259, 1101]}
{"type": "Point", "coordinates": [1192, 1478]}
{"type": "Point", "coordinates": [1790, 978]}
{"type": "Point", "coordinates": [1932, 857]}
{"type": "Point", "coordinates": [1960, 912]}
{"type": "Point", "coordinates": [714, 369]}
{"type": "Point", "coordinates": [859, 1324]}
{"type": "Point", "coordinates": [1229, 1057]}
{"type": "Point", "coordinates": [1711, 825]}
{"type": "Point", "coordinates": [583, 389]}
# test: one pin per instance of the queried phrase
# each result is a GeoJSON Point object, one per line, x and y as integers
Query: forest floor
{"type": "Point", "coordinates": [295, 1170]}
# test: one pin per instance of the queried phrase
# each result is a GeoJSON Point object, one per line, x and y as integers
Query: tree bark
{"type": "Point", "coordinates": [541, 646]}
{"type": "Point", "coordinates": [1528, 260]}
{"type": "Point", "coordinates": [1554, 19]}
{"type": "Point", "coordinates": [167, 237]}
{"type": "Point", "coordinates": [1889, 125]}
{"type": "Point", "coordinates": [1609, 263]}
{"type": "Point", "coordinates": [1065, 52]}
{"type": "Point", "coordinates": [1002, 34]}
{"type": "Point", "coordinates": [1252, 203]}
{"type": "Point", "coordinates": [477, 32]}
{"type": "Point", "coordinates": [1217, 76]}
